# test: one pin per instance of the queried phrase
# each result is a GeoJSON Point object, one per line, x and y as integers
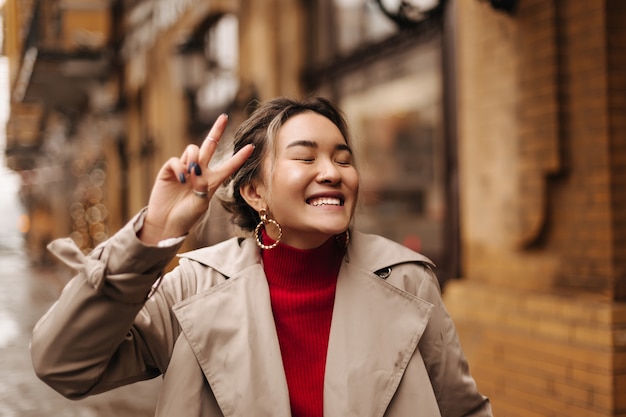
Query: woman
{"type": "Point", "coordinates": [304, 318]}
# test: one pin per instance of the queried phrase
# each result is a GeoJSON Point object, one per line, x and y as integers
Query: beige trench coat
{"type": "Point", "coordinates": [208, 328]}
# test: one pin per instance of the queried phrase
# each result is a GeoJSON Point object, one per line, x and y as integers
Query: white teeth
{"type": "Point", "coordinates": [326, 202]}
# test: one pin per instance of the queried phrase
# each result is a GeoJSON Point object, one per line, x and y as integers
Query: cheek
{"type": "Point", "coordinates": [352, 180]}
{"type": "Point", "coordinates": [289, 178]}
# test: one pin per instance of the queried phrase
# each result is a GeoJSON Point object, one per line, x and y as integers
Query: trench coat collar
{"type": "Point", "coordinates": [374, 332]}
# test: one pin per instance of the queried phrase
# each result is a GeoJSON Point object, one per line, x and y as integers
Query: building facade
{"type": "Point", "coordinates": [490, 137]}
{"type": "Point", "coordinates": [58, 67]}
{"type": "Point", "coordinates": [542, 163]}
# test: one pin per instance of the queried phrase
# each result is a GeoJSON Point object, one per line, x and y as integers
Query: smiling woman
{"type": "Point", "coordinates": [305, 317]}
{"type": "Point", "coordinates": [315, 194]}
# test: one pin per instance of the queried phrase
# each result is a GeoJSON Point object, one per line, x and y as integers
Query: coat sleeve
{"type": "Point", "coordinates": [454, 387]}
{"type": "Point", "coordinates": [101, 333]}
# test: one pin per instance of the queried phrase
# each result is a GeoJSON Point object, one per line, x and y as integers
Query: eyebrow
{"type": "Point", "coordinates": [313, 144]}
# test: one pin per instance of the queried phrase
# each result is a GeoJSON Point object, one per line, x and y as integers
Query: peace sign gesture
{"type": "Point", "coordinates": [185, 185]}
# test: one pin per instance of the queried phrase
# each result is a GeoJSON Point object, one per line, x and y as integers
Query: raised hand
{"type": "Point", "coordinates": [185, 185]}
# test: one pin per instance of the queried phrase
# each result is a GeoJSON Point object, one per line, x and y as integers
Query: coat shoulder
{"type": "Point", "coordinates": [228, 257]}
{"type": "Point", "coordinates": [378, 252]}
{"type": "Point", "coordinates": [398, 265]}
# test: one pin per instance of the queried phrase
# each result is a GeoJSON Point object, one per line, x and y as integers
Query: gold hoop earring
{"type": "Point", "coordinates": [264, 222]}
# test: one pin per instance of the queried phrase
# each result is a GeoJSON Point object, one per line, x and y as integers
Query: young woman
{"type": "Point", "coordinates": [306, 317]}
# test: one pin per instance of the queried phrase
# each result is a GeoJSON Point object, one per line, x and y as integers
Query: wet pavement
{"type": "Point", "coordinates": [26, 292]}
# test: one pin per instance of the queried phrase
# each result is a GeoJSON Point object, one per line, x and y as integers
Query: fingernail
{"type": "Point", "coordinates": [190, 167]}
{"type": "Point", "coordinates": [181, 177]}
{"type": "Point", "coordinates": [197, 169]}
{"type": "Point", "coordinates": [225, 115]}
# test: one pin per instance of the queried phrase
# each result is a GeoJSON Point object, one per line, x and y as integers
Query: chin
{"type": "Point", "coordinates": [335, 230]}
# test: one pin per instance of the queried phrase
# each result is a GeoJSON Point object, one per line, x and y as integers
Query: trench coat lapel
{"type": "Point", "coordinates": [232, 333]}
{"type": "Point", "coordinates": [374, 333]}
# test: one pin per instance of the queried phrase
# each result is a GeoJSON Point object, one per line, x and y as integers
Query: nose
{"type": "Point", "coordinates": [328, 173]}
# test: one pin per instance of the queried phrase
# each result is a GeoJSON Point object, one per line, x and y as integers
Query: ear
{"type": "Point", "coordinates": [254, 193]}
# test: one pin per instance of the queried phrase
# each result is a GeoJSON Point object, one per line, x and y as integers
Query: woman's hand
{"type": "Point", "coordinates": [185, 185]}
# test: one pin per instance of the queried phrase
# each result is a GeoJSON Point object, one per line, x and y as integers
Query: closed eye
{"type": "Point", "coordinates": [344, 157]}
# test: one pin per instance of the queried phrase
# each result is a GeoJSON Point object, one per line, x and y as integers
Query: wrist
{"type": "Point", "coordinates": [153, 234]}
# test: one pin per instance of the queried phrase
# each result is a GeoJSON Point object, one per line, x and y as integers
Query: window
{"type": "Point", "coordinates": [208, 69]}
{"type": "Point", "coordinates": [359, 22]}
{"type": "Point", "coordinates": [221, 55]}
{"type": "Point", "coordinates": [388, 79]}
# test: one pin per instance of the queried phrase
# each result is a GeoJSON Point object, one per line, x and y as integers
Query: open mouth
{"type": "Point", "coordinates": [325, 201]}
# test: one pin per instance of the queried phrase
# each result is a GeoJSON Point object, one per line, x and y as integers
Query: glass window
{"type": "Point", "coordinates": [389, 83]}
{"type": "Point", "coordinates": [221, 55]}
{"type": "Point", "coordinates": [401, 155]}
{"type": "Point", "coordinates": [208, 70]}
{"type": "Point", "coordinates": [359, 22]}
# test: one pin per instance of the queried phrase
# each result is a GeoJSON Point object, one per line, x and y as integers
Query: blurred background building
{"type": "Point", "coordinates": [491, 137]}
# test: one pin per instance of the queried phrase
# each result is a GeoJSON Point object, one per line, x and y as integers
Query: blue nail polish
{"type": "Point", "coordinates": [181, 177]}
{"type": "Point", "coordinates": [189, 167]}
{"type": "Point", "coordinates": [197, 169]}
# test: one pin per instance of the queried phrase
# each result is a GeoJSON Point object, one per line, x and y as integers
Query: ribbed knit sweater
{"type": "Point", "coordinates": [302, 287]}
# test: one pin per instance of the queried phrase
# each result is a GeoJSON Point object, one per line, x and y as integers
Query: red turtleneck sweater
{"type": "Point", "coordinates": [302, 290]}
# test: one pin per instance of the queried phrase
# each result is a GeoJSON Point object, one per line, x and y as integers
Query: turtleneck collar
{"type": "Point", "coordinates": [293, 268]}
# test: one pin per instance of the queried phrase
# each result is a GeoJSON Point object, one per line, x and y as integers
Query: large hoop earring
{"type": "Point", "coordinates": [264, 222]}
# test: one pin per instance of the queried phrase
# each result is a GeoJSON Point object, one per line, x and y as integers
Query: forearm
{"type": "Point", "coordinates": [92, 322]}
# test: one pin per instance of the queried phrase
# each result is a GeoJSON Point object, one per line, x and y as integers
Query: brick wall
{"type": "Point", "coordinates": [542, 158]}
{"type": "Point", "coordinates": [535, 144]}
{"type": "Point", "coordinates": [582, 233]}
{"type": "Point", "coordinates": [616, 40]}
{"type": "Point", "coordinates": [537, 354]}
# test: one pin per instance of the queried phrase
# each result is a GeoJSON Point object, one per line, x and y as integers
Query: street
{"type": "Point", "coordinates": [27, 292]}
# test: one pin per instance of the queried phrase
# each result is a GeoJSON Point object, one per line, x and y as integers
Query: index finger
{"type": "Point", "coordinates": [209, 145]}
{"type": "Point", "coordinates": [231, 165]}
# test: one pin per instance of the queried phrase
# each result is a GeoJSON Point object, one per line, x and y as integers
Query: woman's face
{"type": "Point", "coordinates": [314, 184]}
